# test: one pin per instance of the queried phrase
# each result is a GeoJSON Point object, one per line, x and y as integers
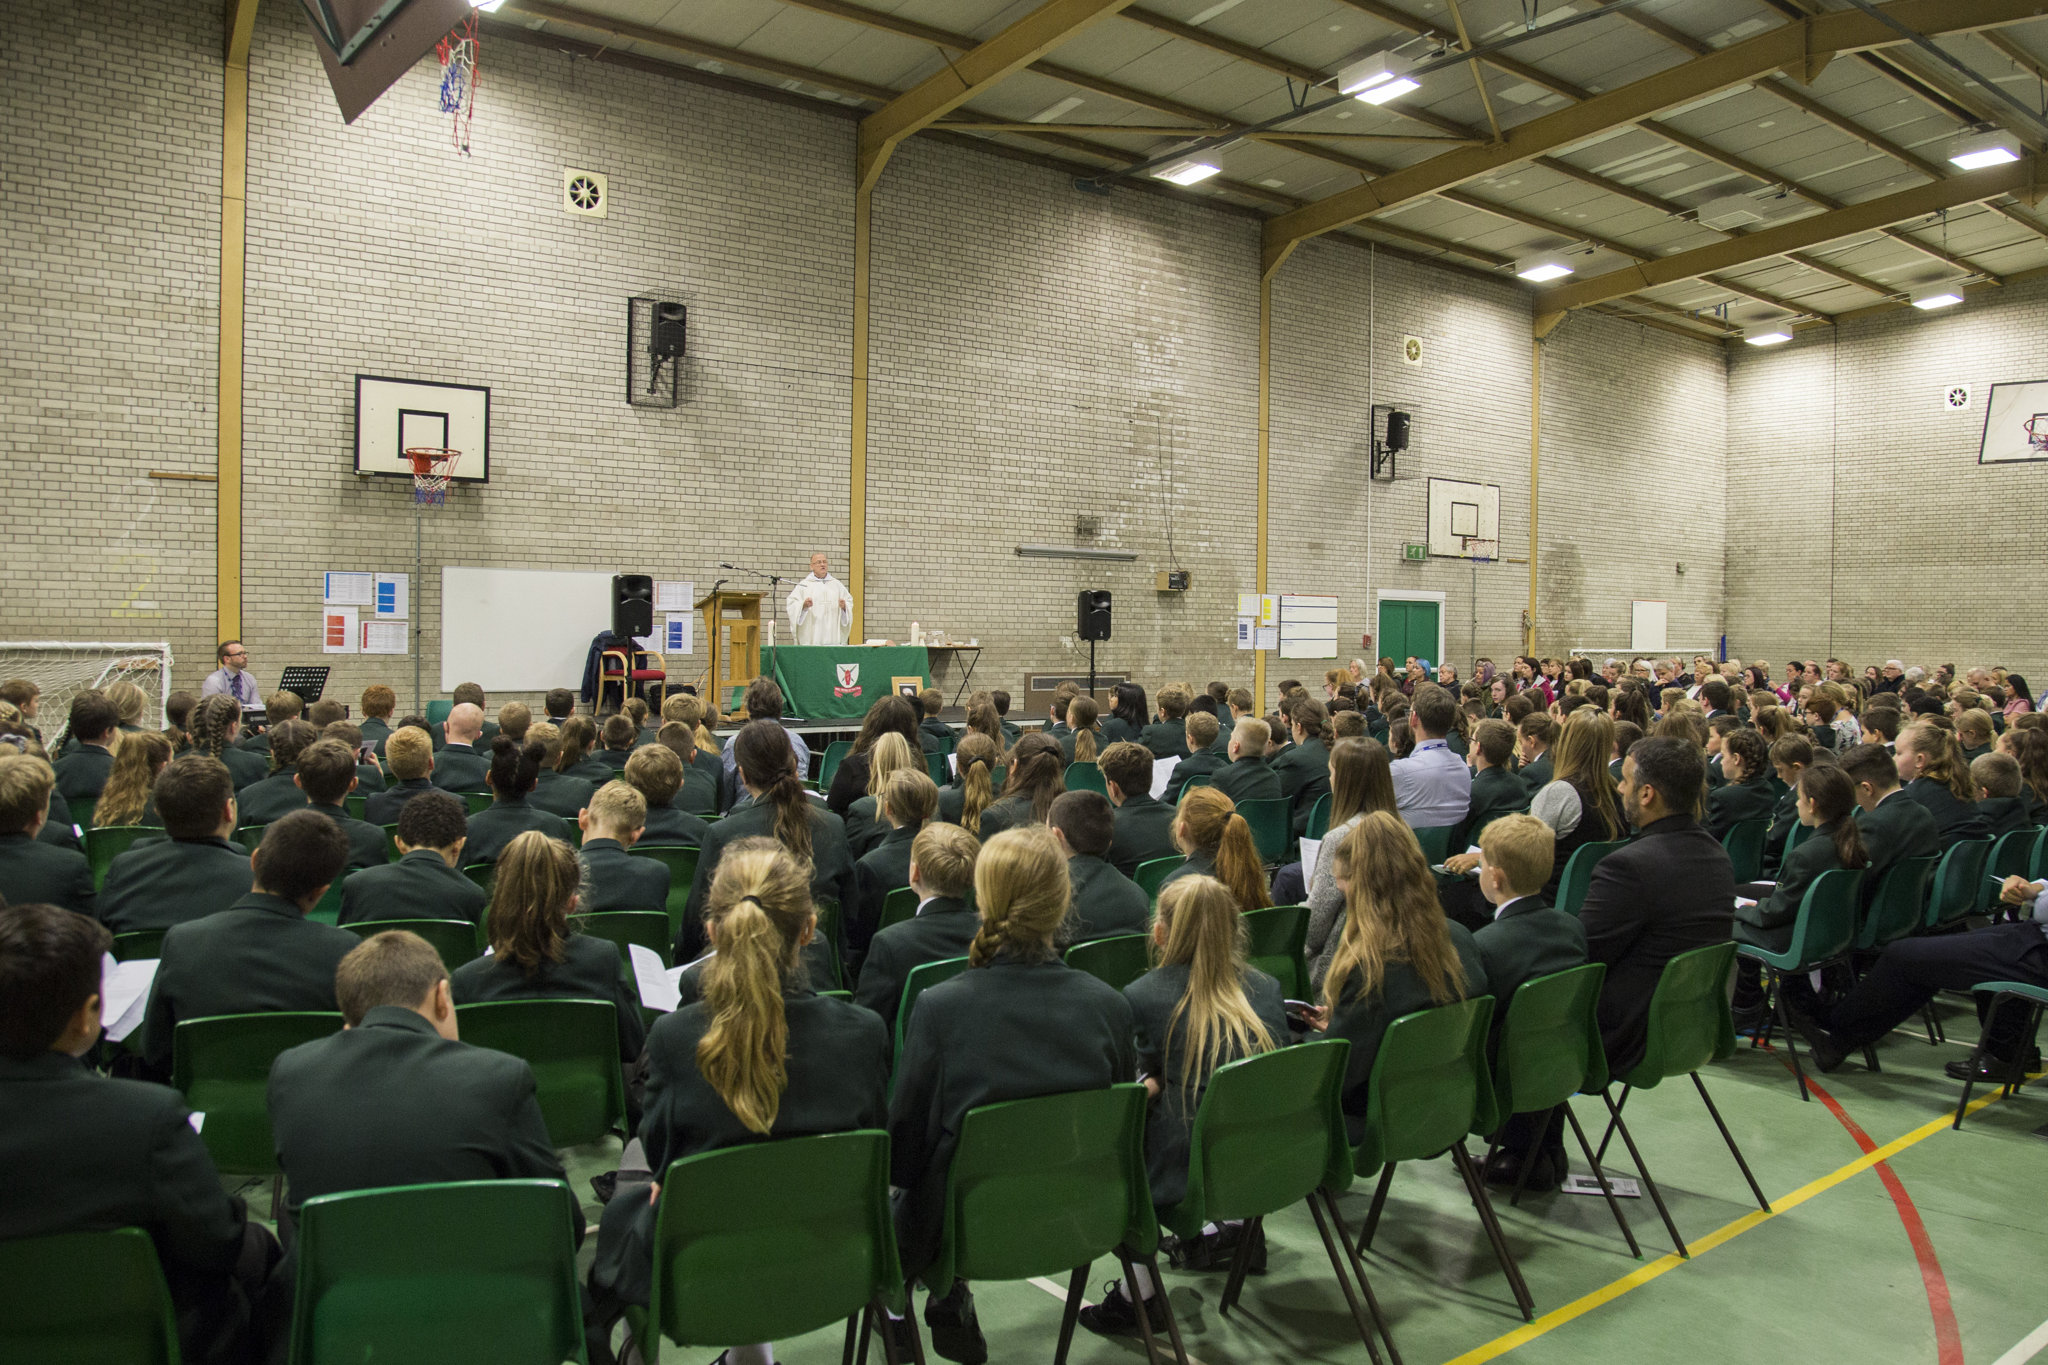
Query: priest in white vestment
{"type": "Point", "coordinates": [820, 608]}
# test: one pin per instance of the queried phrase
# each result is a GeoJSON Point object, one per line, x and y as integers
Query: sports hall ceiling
{"type": "Point", "coordinates": [1487, 162]}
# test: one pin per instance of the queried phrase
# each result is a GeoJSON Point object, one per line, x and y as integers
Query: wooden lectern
{"type": "Point", "coordinates": [732, 631]}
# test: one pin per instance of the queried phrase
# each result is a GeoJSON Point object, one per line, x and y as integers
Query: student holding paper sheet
{"type": "Point", "coordinates": [1826, 801]}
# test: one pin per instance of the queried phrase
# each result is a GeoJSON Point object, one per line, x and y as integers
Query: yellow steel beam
{"type": "Point", "coordinates": [234, 235]}
{"type": "Point", "coordinates": [857, 463]}
{"type": "Point", "coordinates": [986, 65]}
{"type": "Point", "coordinates": [1738, 64]}
{"type": "Point", "coordinates": [1869, 216]}
{"type": "Point", "coordinates": [1535, 479]}
{"type": "Point", "coordinates": [1265, 455]}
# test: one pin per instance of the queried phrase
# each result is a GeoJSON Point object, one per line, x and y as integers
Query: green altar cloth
{"type": "Point", "coordinates": [840, 682]}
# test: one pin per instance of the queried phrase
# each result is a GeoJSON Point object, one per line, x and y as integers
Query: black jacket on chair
{"type": "Point", "coordinates": [154, 886]}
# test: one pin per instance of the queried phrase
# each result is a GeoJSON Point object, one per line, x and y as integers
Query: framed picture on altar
{"type": "Point", "coordinates": [907, 687]}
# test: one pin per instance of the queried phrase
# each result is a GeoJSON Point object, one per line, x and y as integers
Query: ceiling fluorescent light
{"type": "Point", "coordinates": [1537, 269]}
{"type": "Point", "coordinates": [1187, 172]}
{"type": "Point", "coordinates": [487, 6]}
{"type": "Point", "coordinates": [1378, 78]}
{"type": "Point", "coordinates": [1053, 111]}
{"type": "Point", "coordinates": [1979, 150]}
{"type": "Point", "coordinates": [1937, 296]}
{"type": "Point", "coordinates": [1767, 334]}
{"type": "Point", "coordinates": [1073, 552]}
{"type": "Point", "coordinates": [1730, 211]}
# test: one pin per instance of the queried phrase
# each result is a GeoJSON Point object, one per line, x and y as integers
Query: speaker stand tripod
{"type": "Point", "coordinates": [1091, 670]}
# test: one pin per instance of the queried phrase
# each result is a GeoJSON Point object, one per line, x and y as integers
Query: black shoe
{"type": "Point", "coordinates": [1546, 1171]}
{"type": "Point", "coordinates": [605, 1186]}
{"type": "Point", "coordinates": [1751, 1018]}
{"type": "Point", "coordinates": [1215, 1250]}
{"type": "Point", "coordinates": [1117, 1316]}
{"type": "Point", "coordinates": [1827, 1054]}
{"type": "Point", "coordinates": [956, 1334]}
{"type": "Point", "coordinates": [900, 1334]}
{"type": "Point", "coordinates": [1991, 1069]}
{"type": "Point", "coordinates": [1502, 1168]}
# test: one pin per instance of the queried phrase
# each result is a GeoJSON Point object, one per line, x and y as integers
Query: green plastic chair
{"type": "Point", "coordinates": [391, 848]}
{"type": "Point", "coordinates": [1689, 1025]}
{"type": "Point", "coordinates": [82, 808]}
{"type": "Point", "coordinates": [456, 940]}
{"type": "Point", "coordinates": [1043, 1185]}
{"type": "Point", "coordinates": [623, 928]}
{"type": "Point", "coordinates": [137, 944]}
{"type": "Point", "coordinates": [681, 861]}
{"type": "Point", "coordinates": [834, 995]}
{"type": "Point", "coordinates": [1898, 904]}
{"type": "Point", "coordinates": [899, 905]}
{"type": "Point", "coordinates": [482, 874]}
{"type": "Point", "coordinates": [1153, 871]}
{"type": "Point", "coordinates": [2037, 861]}
{"type": "Point", "coordinates": [1793, 838]}
{"type": "Point", "coordinates": [922, 978]}
{"type": "Point", "coordinates": [86, 1298]}
{"type": "Point", "coordinates": [1822, 937]}
{"type": "Point", "coordinates": [736, 1226]}
{"type": "Point", "coordinates": [824, 949]}
{"type": "Point", "coordinates": [221, 1064]}
{"type": "Point", "coordinates": [438, 711]}
{"type": "Point", "coordinates": [573, 1048]}
{"type": "Point", "coordinates": [471, 1270]}
{"type": "Point", "coordinates": [249, 836]}
{"type": "Point", "coordinates": [328, 911]}
{"type": "Point", "coordinates": [940, 770]}
{"type": "Point", "coordinates": [1195, 783]}
{"type": "Point", "coordinates": [2000, 992]}
{"type": "Point", "coordinates": [1578, 874]}
{"type": "Point", "coordinates": [102, 846]}
{"type": "Point", "coordinates": [1119, 959]}
{"type": "Point", "coordinates": [1435, 841]}
{"type": "Point", "coordinates": [828, 766]}
{"type": "Point", "coordinates": [1268, 1133]}
{"type": "Point", "coordinates": [478, 802]}
{"type": "Point", "coordinates": [1548, 1051]}
{"type": "Point", "coordinates": [1086, 777]}
{"type": "Point", "coordinates": [1319, 817]}
{"type": "Point", "coordinates": [1277, 944]}
{"type": "Point", "coordinates": [1430, 1086]}
{"type": "Point", "coordinates": [2008, 859]}
{"type": "Point", "coordinates": [352, 804]}
{"type": "Point", "coordinates": [1272, 827]}
{"type": "Point", "coordinates": [1959, 883]}
{"type": "Point", "coordinates": [1745, 844]}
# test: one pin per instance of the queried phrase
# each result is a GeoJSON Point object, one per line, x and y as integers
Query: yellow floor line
{"type": "Point", "coordinates": [1579, 1307]}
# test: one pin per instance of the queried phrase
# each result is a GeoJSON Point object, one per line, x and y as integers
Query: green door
{"type": "Point", "coordinates": [1409, 628]}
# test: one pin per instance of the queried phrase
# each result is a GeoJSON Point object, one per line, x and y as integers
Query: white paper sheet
{"type": "Point", "coordinates": [393, 596]}
{"type": "Point", "coordinates": [384, 637]}
{"type": "Point", "coordinates": [197, 1118]}
{"type": "Point", "coordinates": [1268, 638]}
{"type": "Point", "coordinates": [677, 636]}
{"type": "Point", "coordinates": [1245, 628]}
{"type": "Point", "coordinates": [1311, 849]}
{"type": "Point", "coordinates": [657, 990]}
{"type": "Point", "coordinates": [348, 589]}
{"type": "Point", "coordinates": [124, 994]}
{"type": "Point", "coordinates": [673, 594]}
{"type": "Point", "coordinates": [1162, 773]}
{"type": "Point", "coordinates": [338, 633]}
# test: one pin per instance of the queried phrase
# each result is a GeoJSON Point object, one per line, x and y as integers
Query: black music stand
{"type": "Point", "coordinates": [307, 681]}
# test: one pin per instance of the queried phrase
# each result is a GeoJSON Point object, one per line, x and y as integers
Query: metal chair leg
{"type": "Point", "coordinates": [1379, 1201]}
{"type": "Point", "coordinates": [1240, 1264]}
{"type": "Point", "coordinates": [1344, 1281]}
{"type": "Point", "coordinates": [1180, 1352]}
{"type": "Point", "coordinates": [1522, 1176]}
{"type": "Point", "coordinates": [1072, 1314]}
{"type": "Point", "coordinates": [1729, 1138]}
{"type": "Point", "coordinates": [1614, 1110]}
{"type": "Point", "coordinates": [1791, 1035]}
{"type": "Point", "coordinates": [1372, 1302]}
{"type": "Point", "coordinates": [1143, 1305]}
{"type": "Point", "coordinates": [1643, 1170]}
{"type": "Point", "coordinates": [1494, 1232]}
{"type": "Point", "coordinates": [856, 1328]}
{"type": "Point", "coordinates": [1613, 1204]}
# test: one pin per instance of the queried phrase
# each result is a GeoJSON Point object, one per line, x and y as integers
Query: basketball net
{"type": "Point", "coordinates": [2037, 439]}
{"type": "Point", "coordinates": [458, 53]}
{"type": "Point", "coordinates": [432, 467]}
{"type": "Point", "coordinates": [1479, 551]}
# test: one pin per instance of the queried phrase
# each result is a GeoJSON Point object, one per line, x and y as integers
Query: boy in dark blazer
{"type": "Point", "coordinates": [942, 873]}
{"type": "Point", "coordinates": [194, 872]}
{"type": "Point", "coordinates": [94, 728]}
{"type": "Point", "coordinates": [261, 954]}
{"type": "Point", "coordinates": [1998, 794]}
{"type": "Point", "coordinates": [93, 1153]}
{"type": "Point", "coordinates": [616, 742]}
{"type": "Point", "coordinates": [1202, 761]}
{"type": "Point", "coordinates": [1012, 731]}
{"type": "Point", "coordinates": [1791, 755]}
{"type": "Point", "coordinates": [933, 734]}
{"type": "Point", "coordinates": [1105, 901]}
{"type": "Point", "coordinates": [410, 754]}
{"type": "Point", "coordinates": [697, 794]}
{"type": "Point", "coordinates": [655, 771]}
{"type": "Point", "coordinates": [1143, 826]}
{"type": "Point", "coordinates": [1167, 737]}
{"type": "Point", "coordinates": [1248, 776]}
{"type": "Point", "coordinates": [1495, 790]}
{"type": "Point", "coordinates": [426, 882]}
{"type": "Point", "coordinates": [1536, 732]}
{"type": "Point", "coordinates": [1894, 825]}
{"type": "Point", "coordinates": [31, 870]}
{"type": "Point", "coordinates": [397, 1098]}
{"type": "Point", "coordinates": [279, 794]}
{"type": "Point", "coordinates": [369, 776]}
{"type": "Point", "coordinates": [379, 702]}
{"type": "Point", "coordinates": [616, 880]}
{"type": "Point", "coordinates": [460, 764]}
{"type": "Point", "coordinates": [327, 774]}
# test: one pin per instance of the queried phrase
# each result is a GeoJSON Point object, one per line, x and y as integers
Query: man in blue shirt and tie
{"type": "Point", "coordinates": [1432, 786]}
{"type": "Point", "coordinates": [233, 677]}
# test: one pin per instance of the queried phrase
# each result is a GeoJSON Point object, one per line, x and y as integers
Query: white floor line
{"type": "Point", "coordinates": [2035, 1342]}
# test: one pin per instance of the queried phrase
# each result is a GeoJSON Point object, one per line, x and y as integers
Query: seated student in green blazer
{"type": "Point", "coordinates": [1202, 759]}
{"type": "Point", "coordinates": [1973, 733]}
{"type": "Point", "coordinates": [1217, 842]}
{"type": "Point", "coordinates": [213, 728]}
{"type": "Point", "coordinates": [1745, 792]}
{"type": "Point", "coordinates": [1167, 737]}
{"type": "Point", "coordinates": [1997, 778]}
{"type": "Point", "coordinates": [195, 871]}
{"type": "Point", "coordinates": [934, 734]}
{"type": "Point", "coordinates": [1894, 826]}
{"type": "Point", "coordinates": [972, 790]}
{"type": "Point", "coordinates": [369, 776]}
{"type": "Point", "coordinates": [1144, 824]}
{"type": "Point", "coordinates": [1536, 732]}
{"type": "Point", "coordinates": [1012, 731]}
{"type": "Point", "coordinates": [511, 778]}
{"type": "Point", "coordinates": [942, 873]}
{"type": "Point", "coordinates": [279, 794]}
{"type": "Point", "coordinates": [1105, 901]}
{"type": "Point", "coordinates": [614, 879]}
{"type": "Point", "coordinates": [327, 774]}
{"type": "Point", "coordinates": [1056, 723]}
{"type": "Point", "coordinates": [426, 882]}
{"type": "Point", "coordinates": [1791, 755]}
{"type": "Point", "coordinates": [409, 752]}
{"type": "Point", "coordinates": [32, 871]}
{"type": "Point", "coordinates": [397, 1098]}
{"type": "Point", "coordinates": [1036, 776]}
{"type": "Point", "coordinates": [1931, 766]}
{"type": "Point", "coordinates": [1239, 707]}
{"type": "Point", "coordinates": [1248, 776]}
{"type": "Point", "coordinates": [1018, 1023]}
{"type": "Point", "coordinates": [112, 1153]}
{"type": "Point", "coordinates": [1304, 766]}
{"type": "Point", "coordinates": [261, 954]}
{"type": "Point", "coordinates": [1082, 738]}
{"type": "Point", "coordinates": [757, 1057]}
{"type": "Point", "coordinates": [656, 773]}
{"type": "Point", "coordinates": [891, 754]}
{"type": "Point", "coordinates": [1525, 939]}
{"type": "Point", "coordinates": [557, 793]}
{"type": "Point", "coordinates": [470, 694]}
{"type": "Point", "coordinates": [1718, 730]}
{"type": "Point", "coordinates": [536, 954]}
{"type": "Point", "coordinates": [462, 757]}
{"type": "Point", "coordinates": [278, 708]}
{"type": "Point", "coordinates": [95, 727]}
{"type": "Point", "coordinates": [574, 758]}
{"type": "Point", "coordinates": [1495, 790]}
{"type": "Point", "coordinates": [909, 800]}
{"type": "Point", "coordinates": [681, 733]}
{"type": "Point", "coordinates": [379, 702]}
{"type": "Point", "coordinates": [1128, 715]}
{"type": "Point", "coordinates": [1826, 801]}
{"type": "Point", "coordinates": [125, 800]}
{"type": "Point", "coordinates": [616, 742]}
{"type": "Point", "coordinates": [1202, 1007]}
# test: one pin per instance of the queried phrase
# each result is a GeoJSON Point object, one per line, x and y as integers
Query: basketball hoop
{"type": "Point", "coordinates": [1479, 551]}
{"type": "Point", "coordinates": [2038, 439]}
{"type": "Point", "coordinates": [457, 53]}
{"type": "Point", "coordinates": [432, 467]}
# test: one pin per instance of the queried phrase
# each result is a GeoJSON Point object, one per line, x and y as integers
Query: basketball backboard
{"type": "Point", "coordinates": [393, 415]}
{"type": "Point", "coordinates": [1464, 519]}
{"type": "Point", "coordinates": [2015, 424]}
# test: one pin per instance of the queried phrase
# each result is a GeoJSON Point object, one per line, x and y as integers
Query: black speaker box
{"type": "Point", "coordinates": [632, 604]}
{"type": "Point", "coordinates": [1091, 614]}
{"type": "Point", "coordinates": [671, 329]}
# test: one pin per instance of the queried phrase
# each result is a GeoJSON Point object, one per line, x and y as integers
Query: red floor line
{"type": "Point", "coordinates": [1948, 1338]}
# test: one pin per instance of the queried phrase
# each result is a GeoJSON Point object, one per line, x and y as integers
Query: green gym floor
{"type": "Point", "coordinates": [1892, 1239]}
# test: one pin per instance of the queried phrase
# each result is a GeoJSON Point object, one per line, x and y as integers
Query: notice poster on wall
{"type": "Point", "coordinates": [339, 631]}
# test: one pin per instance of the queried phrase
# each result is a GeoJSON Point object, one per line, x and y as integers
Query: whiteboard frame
{"type": "Point", "coordinates": [1649, 617]}
{"type": "Point", "coordinates": [384, 404]}
{"type": "Point", "coordinates": [520, 630]}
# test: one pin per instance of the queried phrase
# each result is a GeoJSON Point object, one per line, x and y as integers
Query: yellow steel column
{"type": "Point", "coordinates": [857, 472]}
{"type": "Point", "coordinates": [234, 185]}
{"type": "Point", "coordinates": [1535, 461]}
{"type": "Point", "coordinates": [1265, 409]}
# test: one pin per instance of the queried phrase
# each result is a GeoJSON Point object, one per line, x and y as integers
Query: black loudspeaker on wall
{"type": "Point", "coordinates": [632, 604]}
{"type": "Point", "coordinates": [671, 329]}
{"type": "Point", "coordinates": [1091, 620]}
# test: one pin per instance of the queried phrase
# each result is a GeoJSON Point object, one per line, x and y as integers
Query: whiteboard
{"type": "Point", "coordinates": [519, 630]}
{"type": "Point", "coordinates": [1647, 626]}
{"type": "Point", "coordinates": [1308, 627]}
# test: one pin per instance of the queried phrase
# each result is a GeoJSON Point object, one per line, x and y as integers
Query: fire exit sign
{"type": "Point", "coordinates": [1415, 551]}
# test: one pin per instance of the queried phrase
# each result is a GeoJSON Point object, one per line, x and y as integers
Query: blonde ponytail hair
{"type": "Point", "coordinates": [1022, 892]}
{"type": "Point", "coordinates": [1200, 927]}
{"type": "Point", "coordinates": [1081, 714]}
{"type": "Point", "coordinates": [1213, 826]}
{"type": "Point", "coordinates": [891, 754]}
{"type": "Point", "coordinates": [757, 915]}
{"type": "Point", "coordinates": [1391, 914]}
{"type": "Point", "coordinates": [976, 759]}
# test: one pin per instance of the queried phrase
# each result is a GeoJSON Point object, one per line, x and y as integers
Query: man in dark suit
{"type": "Point", "coordinates": [261, 954]}
{"type": "Point", "coordinates": [1669, 891]}
{"type": "Point", "coordinates": [616, 880]}
{"type": "Point", "coordinates": [1894, 825]}
{"type": "Point", "coordinates": [31, 870]}
{"type": "Point", "coordinates": [1144, 825]}
{"type": "Point", "coordinates": [409, 751]}
{"type": "Point", "coordinates": [93, 1154]}
{"type": "Point", "coordinates": [942, 873]}
{"type": "Point", "coordinates": [327, 774]}
{"type": "Point", "coordinates": [396, 1098]}
{"type": "Point", "coordinates": [426, 882]}
{"type": "Point", "coordinates": [1105, 901]}
{"type": "Point", "coordinates": [1495, 790]}
{"type": "Point", "coordinates": [1248, 776]}
{"type": "Point", "coordinates": [94, 728]}
{"type": "Point", "coordinates": [656, 772]}
{"type": "Point", "coordinates": [1202, 759]}
{"type": "Point", "coordinates": [279, 794]}
{"type": "Point", "coordinates": [458, 765]}
{"type": "Point", "coordinates": [193, 873]}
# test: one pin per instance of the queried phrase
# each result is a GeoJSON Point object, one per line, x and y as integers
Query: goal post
{"type": "Point", "coordinates": [61, 669]}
